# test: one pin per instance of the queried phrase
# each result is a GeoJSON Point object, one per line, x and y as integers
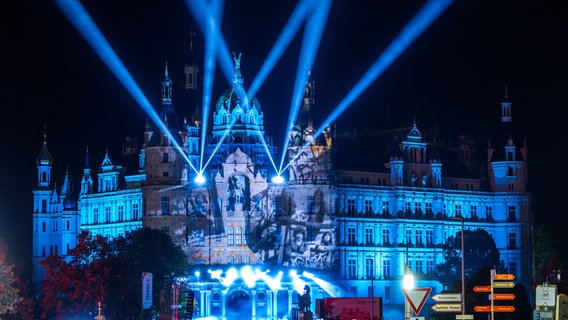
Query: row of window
{"type": "Point", "coordinates": [54, 226]}
{"type": "Point", "coordinates": [385, 272]}
{"type": "Point", "coordinates": [121, 215]}
{"type": "Point", "coordinates": [426, 207]}
{"type": "Point", "coordinates": [53, 250]}
{"type": "Point", "coordinates": [418, 237]}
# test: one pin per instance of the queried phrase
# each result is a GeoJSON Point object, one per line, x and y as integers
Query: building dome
{"type": "Point", "coordinates": [231, 100]}
{"type": "Point", "coordinates": [234, 109]}
{"type": "Point", "coordinates": [69, 203]}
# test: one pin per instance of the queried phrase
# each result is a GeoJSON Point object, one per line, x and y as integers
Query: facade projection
{"type": "Point", "coordinates": [344, 229]}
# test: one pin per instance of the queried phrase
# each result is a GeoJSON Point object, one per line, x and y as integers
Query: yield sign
{"type": "Point", "coordinates": [416, 297]}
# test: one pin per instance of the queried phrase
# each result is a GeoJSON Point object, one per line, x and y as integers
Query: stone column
{"type": "Point", "coordinates": [224, 303]}
{"type": "Point", "coordinates": [207, 305]}
{"type": "Point", "coordinates": [253, 293]}
{"type": "Point", "coordinates": [275, 304]}
{"type": "Point", "coordinates": [269, 304]}
{"type": "Point", "coordinates": [290, 292]}
{"type": "Point", "coordinates": [201, 303]}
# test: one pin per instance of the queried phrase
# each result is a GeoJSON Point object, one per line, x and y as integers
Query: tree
{"type": "Point", "coordinates": [24, 309]}
{"type": "Point", "coordinates": [479, 251]}
{"type": "Point", "coordinates": [550, 257]}
{"type": "Point", "coordinates": [75, 288]}
{"type": "Point", "coordinates": [105, 271]}
{"type": "Point", "coordinates": [148, 250]}
{"type": "Point", "coordinates": [9, 293]}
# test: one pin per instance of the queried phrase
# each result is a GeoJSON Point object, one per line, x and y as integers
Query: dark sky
{"type": "Point", "coordinates": [453, 74]}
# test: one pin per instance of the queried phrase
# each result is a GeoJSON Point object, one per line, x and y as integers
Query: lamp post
{"type": "Point", "coordinates": [407, 283]}
{"type": "Point", "coordinates": [462, 266]}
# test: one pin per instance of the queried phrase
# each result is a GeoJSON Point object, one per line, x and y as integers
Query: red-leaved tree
{"type": "Point", "coordinates": [74, 285]}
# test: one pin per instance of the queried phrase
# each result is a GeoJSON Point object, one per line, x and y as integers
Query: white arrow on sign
{"type": "Point", "coordinates": [447, 297]}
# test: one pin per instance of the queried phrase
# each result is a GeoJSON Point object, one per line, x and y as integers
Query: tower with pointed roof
{"type": "Point", "coordinates": [507, 153]}
{"type": "Point", "coordinates": [166, 170]}
{"type": "Point", "coordinates": [55, 215]}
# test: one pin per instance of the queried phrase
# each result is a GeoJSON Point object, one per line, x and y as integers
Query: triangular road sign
{"type": "Point", "coordinates": [416, 297]}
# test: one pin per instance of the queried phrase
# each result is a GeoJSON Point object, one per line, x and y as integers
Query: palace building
{"type": "Point", "coordinates": [351, 217]}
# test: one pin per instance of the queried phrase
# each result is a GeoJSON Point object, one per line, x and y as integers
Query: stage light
{"type": "Point", "coordinates": [278, 179]}
{"type": "Point", "coordinates": [275, 283]}
{"type": "Point", "coordinates": [297, 282]}
{"type": "Point", "coordinates": [249, 277]}
{"type": "Point", "coordinates": [199, 179]}
{"type": "Point", "coordinates": [230, 277]}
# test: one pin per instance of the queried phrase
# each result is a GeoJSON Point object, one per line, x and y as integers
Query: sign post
{"type": "Point", "coordinates": [499, 281]}
{"type": "Point", "coordinates": [449, 302]}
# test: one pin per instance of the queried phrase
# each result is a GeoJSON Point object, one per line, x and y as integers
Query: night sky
{"type": "Point", "coordinates": [454, 74]}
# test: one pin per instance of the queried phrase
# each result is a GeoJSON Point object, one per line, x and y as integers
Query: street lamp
{"type": "Point", "coordinates": [462, 266]}
{"type": "Point", "coordinates": [407, 284]}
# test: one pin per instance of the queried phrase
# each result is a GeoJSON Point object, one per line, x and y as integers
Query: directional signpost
{"type": "Point", "coordinates": [482, 289]}
{"type": "Point", "coordinates": [503, 285]}
{"type": "Point", "coordinates": [447, 297]}
{"type": "Point", "coordinates": [498, 281]}
{"type": "Point", "coordinates": [445, 306]}
{"type": "Point", "coordinates": [495, 309]}
{"type": "Point", "coordinates": [504, 276]}
{"type": "Point", "coordinates": [503, 296]}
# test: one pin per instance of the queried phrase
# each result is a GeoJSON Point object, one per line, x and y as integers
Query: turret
{"type": "Point", "coordinates": [506, 156]}
{"type": "Point", "coordinates": [44, 163]}
{"type": "Point", "coordinates": [87, 181]}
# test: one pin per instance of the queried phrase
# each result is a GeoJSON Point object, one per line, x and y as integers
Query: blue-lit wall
{"type": "Point", "coordinates": [357, 229]}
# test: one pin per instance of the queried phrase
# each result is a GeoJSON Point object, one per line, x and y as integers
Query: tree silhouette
{"type": "Point", "coordinates": [109, 272]}
{"type": "Point", "coordinates": [9, 293]}
{"type": "Point", "coordinates": [479, 251]}
{"type": "Point", "coordinates": [147, 250]}
{"type": "Point", "coordinates": [75, 288]}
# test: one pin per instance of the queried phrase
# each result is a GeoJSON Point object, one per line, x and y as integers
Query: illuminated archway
{"type": "Point", "coordinates": [238, 303]}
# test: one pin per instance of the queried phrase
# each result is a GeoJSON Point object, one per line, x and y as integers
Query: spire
{"type": "Point", "coordinates": [87, 181]}
{"type": "Point", "coordinates": [506, 113]}
{"type": "Point", "coordinates": [191, 69]}
{"type": "Point", "coordinates": [66, 182]}
{"type": "Point", "coordinates": [166, 88]}
{"type": "Point", "coordinates": [44, 158]}
{"type": "Point", "coordinates": [106, 165]}
{"type": "Point", "coordinates": [87, 162]}
{"type": "Point", "coordinates": [44, 162]}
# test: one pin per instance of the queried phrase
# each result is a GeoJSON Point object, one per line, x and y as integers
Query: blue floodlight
{"type": "Point", "coordinates": [278, 179]}
{"type": "Point", "coordinates": [200, 179]}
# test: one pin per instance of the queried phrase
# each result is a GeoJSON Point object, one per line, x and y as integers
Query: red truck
{"type": "Point", "coordinates": [350, 308]}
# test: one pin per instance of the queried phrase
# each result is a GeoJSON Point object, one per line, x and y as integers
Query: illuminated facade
{"type": "Point", "coordinates": [355, 229]}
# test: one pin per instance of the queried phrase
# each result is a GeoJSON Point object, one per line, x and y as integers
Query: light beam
{"type": "Point", "coordinates": [83, 22]}
{"type": "Point", "coordinates": [427, 14]}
